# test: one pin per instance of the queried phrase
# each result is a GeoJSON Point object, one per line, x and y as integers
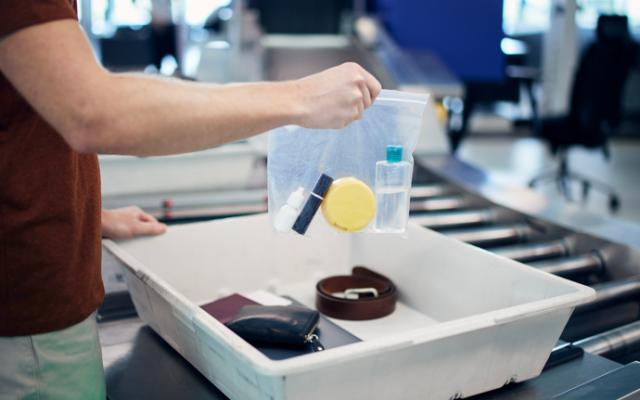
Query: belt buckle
{"type": "Point", "coordinates": [357, 293]}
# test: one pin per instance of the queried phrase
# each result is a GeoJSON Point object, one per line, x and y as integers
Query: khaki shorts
{"type": "Point", "coordinates": [61, 365]}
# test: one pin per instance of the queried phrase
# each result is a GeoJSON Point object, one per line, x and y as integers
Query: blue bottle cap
{"type": "Point", "coordinates": [394, 154]}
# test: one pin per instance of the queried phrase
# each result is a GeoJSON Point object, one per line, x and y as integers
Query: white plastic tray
{"type": "Point", "coordinates": [478, 320]}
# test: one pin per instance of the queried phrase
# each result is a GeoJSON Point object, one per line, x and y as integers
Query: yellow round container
{"type": "Point", "coordinates": [349, 205]}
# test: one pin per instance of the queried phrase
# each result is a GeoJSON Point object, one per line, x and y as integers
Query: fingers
{"type": "Point", "coordinates": [368, 84]}
{"type": "Point", "coordinates": [151, 228]}
{"type": "Point", "coordinates": [130, 209]}
{"type": "Point", "coordinates": [366, 94]}
{"type": "Point", "coordinates": [373, 85]}
{"type": "Point", "coordinates": [143, 216]}
{"type": "Point", "coordinates": [360, 107]}
{"type": "Point", "coordinates": [149, 225]}
{"type": "Point", "coordinates": [128, 222]}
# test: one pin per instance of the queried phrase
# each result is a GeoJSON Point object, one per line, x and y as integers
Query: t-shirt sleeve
{"type": "Point", "coordinates": [20, 14]}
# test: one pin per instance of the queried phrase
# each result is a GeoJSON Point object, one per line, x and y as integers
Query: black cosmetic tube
{"type": "Point", "coordinates": [313, 203]}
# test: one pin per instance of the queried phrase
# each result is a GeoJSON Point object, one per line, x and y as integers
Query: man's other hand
{"type": "Point", "coordinates": [129, 222]}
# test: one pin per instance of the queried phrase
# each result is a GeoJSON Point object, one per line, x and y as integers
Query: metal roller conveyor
{"type": "Point", "coordinates": [585, 264]}
{"type": "Point", "coordinates": [537, 251]}
{"type": "Point", "coordinates": [452, 219]}
{"type": "Point", "coordinates": [618, 341]}
{"type": "Point", "coordinates": [456, 199]}
{"type": "Point", "coordinates": [611, 293]}
{"type": "Point", "coordinates": [430, 190]}
{"type": "Point", "coordinates": [439, 204]}
{"type": "Point", "coordinates": [493, 234]}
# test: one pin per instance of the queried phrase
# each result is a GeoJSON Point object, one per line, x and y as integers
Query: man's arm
{"type": "Point", "coordinates": [96, 111]}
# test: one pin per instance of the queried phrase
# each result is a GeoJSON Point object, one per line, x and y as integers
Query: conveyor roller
{"type": "Point", "coordinates": [611, 293]}
{"type": "Point", "coordinates": [429, 190]}
{"type": "Point", "coordinates": [455, 218]}
{"type": "Point", "coordinates": [584, 264]}
{"type": "Point", "coordinates": [618, 341]}
{"type": "Point", "coordinates": [493, 234]}
{"type": "Point", "coordinates": [439, 204]}
{"type": "Point", "coordinates": [535, 251]}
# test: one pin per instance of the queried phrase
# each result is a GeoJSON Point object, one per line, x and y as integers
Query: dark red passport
{"type": "Point", "coordinates": [225, 308]}
{"type": "Point", "coordinates": [330, 334]}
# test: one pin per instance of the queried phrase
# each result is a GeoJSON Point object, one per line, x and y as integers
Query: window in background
{"type": "Point", "coordinates": [531, 16]}
{"type": "Point", "coordinates": [109, 14]}
{"type": "Point", "coordinates": [525, 16]}
{"type": "Point", "coordinates": [197, 11]}
{"type": "Point", "coordinates": [589, 10]}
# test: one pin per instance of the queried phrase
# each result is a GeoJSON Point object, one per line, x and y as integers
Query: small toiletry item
{"type": "Point", "coordinates": [313, 203]}
{"type": "Point", "coordinates": [349, 205]}
{"type": "Point", "coordinates": [289, 212]}
{"type": "Point", "coordinates": [393, 182]}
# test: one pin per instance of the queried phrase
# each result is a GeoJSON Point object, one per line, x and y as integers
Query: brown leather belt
{"type": "Point", "coordinates": [363, 295]}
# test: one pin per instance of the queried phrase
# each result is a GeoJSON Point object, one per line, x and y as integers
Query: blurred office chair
{"type": "Point", "coordinates": [595, 110]}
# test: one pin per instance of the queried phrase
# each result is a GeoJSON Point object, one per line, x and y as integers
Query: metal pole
{"type": "Point", "coordinates": [611, 293]}
{"type": "Point", "coordinates": [455, 218]}
{"type": "Point", "coordinates": [620, 340]}
{"type": "Point", "coordinates": [439, 204]}
{"type": "Point", "coordinates": [583, 264]}
{"type": "Point", "coordinates": [560, 56]}
{"type": "Point", "coordinates": [493, 234]}
{"type": "Point", "coordinates": [537, 251]}
{"type": "Point", "coordinates": [426, 191]}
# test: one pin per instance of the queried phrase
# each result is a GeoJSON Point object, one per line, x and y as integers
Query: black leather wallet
{"type": "Point", "coordinates": [279, 325]}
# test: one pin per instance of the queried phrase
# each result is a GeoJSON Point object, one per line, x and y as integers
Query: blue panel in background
{"type": "Point", "coordinates": [465, 34]}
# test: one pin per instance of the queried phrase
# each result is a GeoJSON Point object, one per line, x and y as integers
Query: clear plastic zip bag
{"type": "Point", "coordinates": [358, 176]}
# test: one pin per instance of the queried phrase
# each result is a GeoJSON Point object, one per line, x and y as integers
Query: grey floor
{"type": "Point", "coordinates": [517, 160]}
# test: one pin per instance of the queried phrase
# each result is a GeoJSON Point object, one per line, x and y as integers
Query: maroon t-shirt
{"type": "Point", "coordinates": [49, 205]}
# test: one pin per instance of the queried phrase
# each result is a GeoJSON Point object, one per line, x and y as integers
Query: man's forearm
{"type": "Point", "coordinates": [101, 112]}
{"type": "Point", "coordinates": [144, 115]}
{"type": "Point", "coordinates": [96, 111]}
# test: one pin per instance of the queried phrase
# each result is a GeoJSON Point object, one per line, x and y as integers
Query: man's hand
{"type": "Point", "coordinates": [128, 222]}
{"type": "Point", "coordinates": [336, 97]}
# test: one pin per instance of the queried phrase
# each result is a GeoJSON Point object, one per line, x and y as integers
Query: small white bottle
{"type": "Point", "coordinates": [393, 182]}
{"type": "Point", "coordinates": [288, 213]}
